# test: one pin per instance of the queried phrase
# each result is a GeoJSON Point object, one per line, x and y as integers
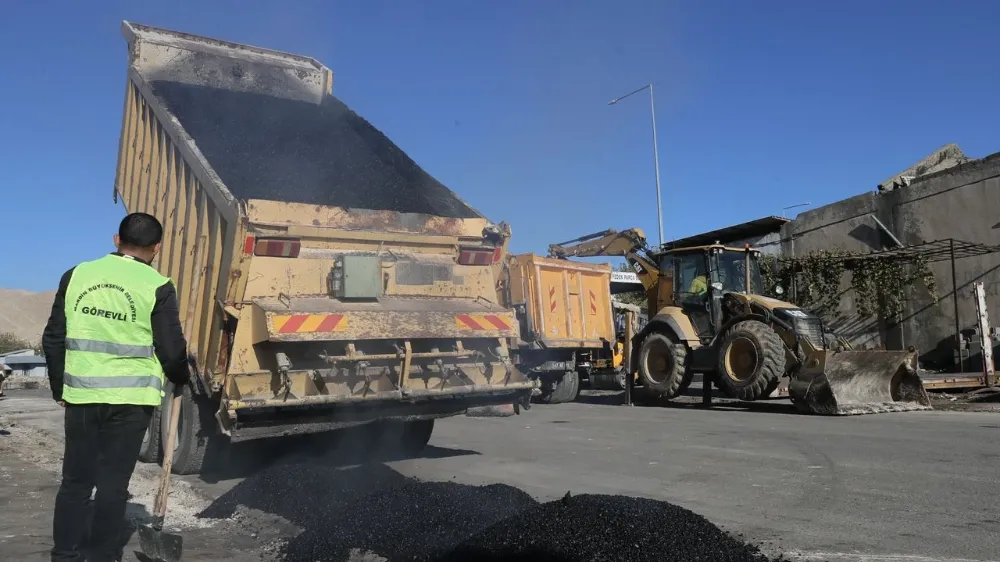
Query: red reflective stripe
{"type": "Point", "coordinates": [248, 245]}
{"type": "Point", "coordinates": [293, 323]}
{"type": "Point", "coordinates": [497, 322]}
{"type": "Point", "coordinates": [329, 323]}
{"type": "Point", "coordinates": [468, 321]}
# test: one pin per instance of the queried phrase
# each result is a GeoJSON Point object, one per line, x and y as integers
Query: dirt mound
{"type": "Point", "coordinates": [605, 528]}
{"type": "Point", "coordinates": [24, 313]}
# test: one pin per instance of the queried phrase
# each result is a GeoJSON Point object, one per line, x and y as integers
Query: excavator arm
{"type": "Point", "coordinates": [630, 244]}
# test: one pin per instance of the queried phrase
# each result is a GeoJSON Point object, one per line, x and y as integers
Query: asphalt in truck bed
{"type": "Point", "coordinates": [916, 486]}
{"type": "Point", "coordinates": [266, 147]}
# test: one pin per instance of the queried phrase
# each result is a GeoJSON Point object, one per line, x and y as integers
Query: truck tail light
{"type": "Point", "coordinates": [478, 256]}
{"type": "Point", "coordinates": [272, 247]}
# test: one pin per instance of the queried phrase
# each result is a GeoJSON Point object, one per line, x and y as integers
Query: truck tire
{"type": "Point", "coordinates": [663, 366]}
{"type": "Point", "coordinates": [415, 436]}
{"type": "Point", "coordinates": [569, 386]}
{"type": "Point", "coordinates": [560, 389]}
{"type": "Point", "coordinates": [751, 357]}
{"type": "Point", "coordinates": [151, 450]}
{"type": "Point", "coordinates": [196, 431]}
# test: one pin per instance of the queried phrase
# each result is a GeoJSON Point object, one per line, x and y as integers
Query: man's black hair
{"type": "Point", "coordinates": [139, 230]}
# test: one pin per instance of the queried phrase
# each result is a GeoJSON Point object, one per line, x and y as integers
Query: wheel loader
{"type": "Point", "coordinates": [708, 314]}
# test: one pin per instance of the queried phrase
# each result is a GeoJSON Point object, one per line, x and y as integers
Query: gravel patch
{"type": "Point", "coordinates": [45, 450]}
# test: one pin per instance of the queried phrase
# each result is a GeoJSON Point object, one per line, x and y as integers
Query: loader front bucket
{"type": "Point", "coordinates": [858, 382]}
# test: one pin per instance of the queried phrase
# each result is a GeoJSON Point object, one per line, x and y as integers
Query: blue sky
{"type": "Point", "coordinates": [760, 105]}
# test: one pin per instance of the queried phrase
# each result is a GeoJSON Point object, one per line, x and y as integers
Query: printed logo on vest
{"type": "Point", "coordinates": [109, 314]}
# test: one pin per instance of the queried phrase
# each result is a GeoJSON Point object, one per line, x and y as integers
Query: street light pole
{"type": "Point", "coordinates": [656, 152]}
{"type": "Point", "coordinates": [783, 209]}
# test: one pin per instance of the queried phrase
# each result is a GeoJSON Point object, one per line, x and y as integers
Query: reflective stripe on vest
{"type": "Point", "coordinates": [120, 349]}
{"type": "Point", "coordinates": [141, 381]}
{"type": "Point", "coordinates": [109, 336]}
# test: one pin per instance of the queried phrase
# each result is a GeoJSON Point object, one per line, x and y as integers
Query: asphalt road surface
{"type": "Point", "coordinates": [914, 486]}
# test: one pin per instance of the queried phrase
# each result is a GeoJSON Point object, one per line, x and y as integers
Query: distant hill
{"type": "Point", "coordinates": [25, 313]}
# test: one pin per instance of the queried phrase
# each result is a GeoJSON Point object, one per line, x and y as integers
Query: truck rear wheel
{"type": "Point", "coordinates": [151, 450]}
{"type": "Point", "coordinates": [560, 389]}
{"type": "Point", "coordinates": [196, 432]}
{"type": "Point", "coordinates": [751, 357]}
{"type": "Point", "coordinates": [663, 365]}
{"type": "Point", "coordinates": [416, 435]}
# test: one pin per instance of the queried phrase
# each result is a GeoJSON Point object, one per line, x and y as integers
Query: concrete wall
{"type": "Point", "coordinates": [961, 203]}
{"type": "Point", "coordinates": [768, 244]}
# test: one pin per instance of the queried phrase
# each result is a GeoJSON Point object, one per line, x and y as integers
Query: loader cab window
{"type": "Point", "coordinates": [732, 272]}
{"type": "Point", "coordinates": [691, 287]}
{"type": "Point", "coordinates": [691, 277]}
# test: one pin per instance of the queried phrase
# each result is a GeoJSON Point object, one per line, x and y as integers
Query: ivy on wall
{"type": "Point", "coordinates": [881, 283]}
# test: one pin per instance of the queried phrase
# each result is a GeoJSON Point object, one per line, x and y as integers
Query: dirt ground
{"type": "Point", "coordinates": [30, 466]}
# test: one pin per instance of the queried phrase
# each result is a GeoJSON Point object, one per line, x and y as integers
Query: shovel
{"type": "Point", "coordinates": [157, 544]}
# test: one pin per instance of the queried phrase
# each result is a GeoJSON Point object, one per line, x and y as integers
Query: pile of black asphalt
{"type": "Point", "coordinates": [268, 147]}
{"type": "Point", "coordinates": [374, 509]}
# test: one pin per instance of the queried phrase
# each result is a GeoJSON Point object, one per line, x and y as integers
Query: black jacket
{"type": "Point", "coordinates": [168, 337]}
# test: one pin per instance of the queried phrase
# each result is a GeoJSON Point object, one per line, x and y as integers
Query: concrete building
{"type": "Point", "coordinates": [944, 197]}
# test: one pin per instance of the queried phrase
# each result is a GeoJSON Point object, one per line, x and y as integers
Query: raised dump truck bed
{"type": "Point", "coordinates": [325, 279]}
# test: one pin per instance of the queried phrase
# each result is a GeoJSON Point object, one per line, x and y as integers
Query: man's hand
{"type": "Point", "coordinates": [61, 403]}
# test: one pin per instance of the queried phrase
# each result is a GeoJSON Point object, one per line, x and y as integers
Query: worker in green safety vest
{"type": "Point", "coordinates": [112, 339]}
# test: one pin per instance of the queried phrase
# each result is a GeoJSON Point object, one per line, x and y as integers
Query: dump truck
{"type": "Point", "coordinates": [565, 322]}
{"type": "Point", "coordinates": [325, 280]}
{"type": "Point", "coordinates": [707, 314]}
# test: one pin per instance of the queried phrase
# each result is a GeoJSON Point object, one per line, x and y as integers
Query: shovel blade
{"type": "Point", "coordinates": [160, 545]}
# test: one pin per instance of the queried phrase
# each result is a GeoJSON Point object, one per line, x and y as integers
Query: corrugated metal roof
{"type": "Point", "coordinates": [18, 352]}
{"type": "Point", "coordinates": [21, 360]}
{"type": "Point", "coordinates": [756, 227]}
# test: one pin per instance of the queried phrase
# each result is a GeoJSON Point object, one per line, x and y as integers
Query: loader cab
{"type": "Point", "coordinates": [703, 275]}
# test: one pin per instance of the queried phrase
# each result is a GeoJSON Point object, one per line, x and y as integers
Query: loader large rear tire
{"type": "Point", "coordinates": [751, 358]}
{"type": "Point", "coordinates": [663, 366]}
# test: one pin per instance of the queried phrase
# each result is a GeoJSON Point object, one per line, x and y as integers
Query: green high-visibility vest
{"type": "Point", "coordinates": [109, 335]}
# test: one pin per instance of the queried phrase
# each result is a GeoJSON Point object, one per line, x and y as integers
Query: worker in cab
{"type": "Point", "coordinates": [113, 336]}
{"type": "Point", "coordinates": [699, 285]}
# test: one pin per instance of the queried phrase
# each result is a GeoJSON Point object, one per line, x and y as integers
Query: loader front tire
{"type": "Point", "coordinates": [663, 366]}
{"type": "Point", "coordinates": [751, 358]}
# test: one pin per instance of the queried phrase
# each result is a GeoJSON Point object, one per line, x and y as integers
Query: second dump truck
{"type": "Point", "coordinates": [325, 280]}
{"type": "Point", "coordinates": [566, 323]}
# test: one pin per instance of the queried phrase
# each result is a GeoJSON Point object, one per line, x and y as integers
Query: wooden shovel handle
{"type": "Point", "coordinates": [160, 503]}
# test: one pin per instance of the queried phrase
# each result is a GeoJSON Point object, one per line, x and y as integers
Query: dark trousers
{"type": "Point", "coordinates": [102, 447]}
